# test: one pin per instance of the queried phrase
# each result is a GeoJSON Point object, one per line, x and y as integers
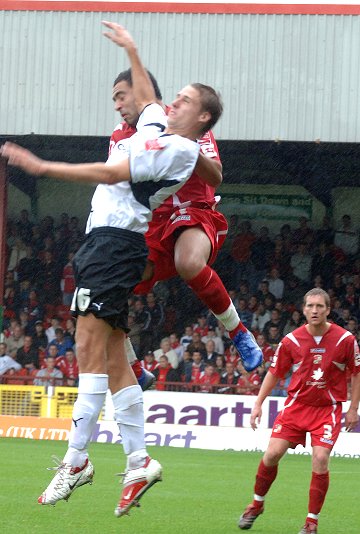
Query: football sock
{"type": "Point", "coordinates": [211, 291]}
{"type": "Point", "coordinates": [129, 416]}
{"type": "Point", "coordinates": [265, 476]}
{"type": "Point", "coordinates": [318, 488]}
{"type": "Point", "coordinates": [91, 396]}
{"type": "Point", "coordinates": [129, 350]}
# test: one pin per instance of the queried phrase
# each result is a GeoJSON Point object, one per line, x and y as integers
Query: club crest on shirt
{"type": "Point", "coordinates": [277, 428]}
{"type": "Point", "coordinates": [317, 359]}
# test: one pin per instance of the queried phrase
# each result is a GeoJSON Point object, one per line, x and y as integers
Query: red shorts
{"type": "Point", "coordinates": [296, 419]}
{"type": "Point", "coordinates": [162, 234]}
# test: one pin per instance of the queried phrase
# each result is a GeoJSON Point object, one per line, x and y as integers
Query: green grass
{"type": "Point", "coordinates": [202, 492]}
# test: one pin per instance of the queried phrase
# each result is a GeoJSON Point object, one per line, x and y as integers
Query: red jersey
{"type": "Point", "coordinates": [318, 364]}
{"type": "Point", "coordinates": [195, 190]}
{"type": "Point", "coordinates": [69, 370]}
{"type": "Point", "coordinates": [207, 381]}
{"type": "Point", "coordinates": [68, 278]}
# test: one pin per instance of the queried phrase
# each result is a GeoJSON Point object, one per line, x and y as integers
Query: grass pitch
{"type": "Point", "coordinates": [202, 492]}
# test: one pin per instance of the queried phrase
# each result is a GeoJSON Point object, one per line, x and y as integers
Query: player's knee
{"type": "Point", "coordinates": [189, 266]}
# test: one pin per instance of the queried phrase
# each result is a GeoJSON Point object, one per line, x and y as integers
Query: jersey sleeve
{"type": "Point", "coordinates": [208, 146]}
{"type": "Point", "coordinates": [169, 157]}
{"type": "Point", "coordinates": [152, 116]}
{"type": "Point", "coordinates": [282, 360]}
{"type": "Point", "coordinates": [354, 357]}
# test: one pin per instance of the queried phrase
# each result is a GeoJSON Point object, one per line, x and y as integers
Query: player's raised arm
{"type": "Point", "coordinates": [95, 173]}
{"type": "Point", "coordinates": [143, 89]}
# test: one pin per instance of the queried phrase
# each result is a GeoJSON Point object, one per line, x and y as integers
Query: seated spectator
{"type": "Point", "coordinates": [15, 340]}
{"type": "Point", "coordinates": [69, 367]}
{"type": "Point", "coordinates": [187, 337]}
{"type": "Point", "coordinates": [52, 351]}
{"type": "Point", "coordinates": [149, 363]}
{"type": "Point", "coordinates": [208, 379]}
{"type": "Point", "coordinates": [244, 313]}
{"type": "Point", "coordinates": [303, 234]}
{"type": "Point", "coordinates": [267, 350]}
{"type": "Point", "coordinates": [50, 332]}
{"type": "Point", "coordinates": [40, 340]}
{"type": "Point", "coordinates": [166, 350]}
{"type": "Point", "coordinates": [260, 317]}
{"type": "Point", "coordinates": [70, 329]}
{"type": "Point", "coordinates": [28, 353]}
{"type": "Point", "coordinates": [229, 378]}
{"type": "Point", "coordinates": [164, 373]}
{"type": "Point", "coordinates": [201, 327]}
{"type": "Point", "coordinates": [323, 264]}
{"type": "Point", "coordinates": [194, 370]}
{"type": "Point", "coordinates": [264, 291]}
{"type": "Point", "coordinates": [185, 363]}
{"type": "Point", "coordinates": [6, 361]}
{"type": "Point", "coordinates": [176, 345]}
{"type": "Point", "coordinates": [50, 375]}
{"type": "Point", "coordinates": [275, 320]}
{"type": "Point", "coordinates": [61, 342]}
{"type": "Point", "coordinates": [276, 284]}
{"type": "Point", "coordinates": [248, 383]}
{"type": "Point", "coordinates": [220, 364]}
{"type": "Point", "coordinates": [296, 320]}
{"type": "Point", "coordinates": [210, 355]}
{"type": "Point", "coordinates": [196, 344]}
{"type": "Point", "coordinates": [223, 334]}
{"type": "Point", "coordinates": [232, 355]}
{"type": "Point", "coordinates": [353, 326]}
{"type": "Point", "coordinates": [28, 267]}
{"type": "Point", "coordinates": [293, 294]}
{"type": "Point", "coordinates": [274, 337]}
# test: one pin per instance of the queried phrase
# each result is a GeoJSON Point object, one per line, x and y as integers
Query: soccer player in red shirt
{"type": "Point", "coordinates": [319, 353]}
{"type": "Point", "coordinates": [186, 232]}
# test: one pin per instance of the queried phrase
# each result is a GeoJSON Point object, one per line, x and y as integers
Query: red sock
{"type": "Point", "coordinates": [318, 488]}
{"type": "Point", "coordinates": [137, 368]}
{"type": "Point", "coordinates": [210, 290]}
{"type": "Point", "coordinates": [265, 476]}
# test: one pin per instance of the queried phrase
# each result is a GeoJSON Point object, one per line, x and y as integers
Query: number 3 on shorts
{"type": "Point", "coordinates": [81, 298]}
{"type": "Point", "coordinates": [327, 432]}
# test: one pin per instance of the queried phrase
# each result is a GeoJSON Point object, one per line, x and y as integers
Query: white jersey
{"type": "Point", "coordinates": [159, 165]}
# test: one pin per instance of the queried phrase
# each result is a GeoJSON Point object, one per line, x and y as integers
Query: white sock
{"type": "Point", "coordinates": [91, 396]}
{"type": "Point", "coordinates": [129, 350]}
{"type": "Point", "coordinates": [129, 415]}
{"type": "Point", "coordinates": [229, 318]}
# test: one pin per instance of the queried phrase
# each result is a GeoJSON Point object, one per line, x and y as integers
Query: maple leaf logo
{"type": "Point", "coordinates": [317, 374]}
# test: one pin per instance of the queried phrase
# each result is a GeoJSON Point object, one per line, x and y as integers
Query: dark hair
{"type": "Point", "coordinates": [125, 76]}
{"type": "Point", "coordinates": [211, 102]}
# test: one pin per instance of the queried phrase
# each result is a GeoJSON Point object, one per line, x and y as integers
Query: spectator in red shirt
{"type": "Point", "coordinates": [208, 379]}
{"type": "Point", "coordinates": [248, 383]}
{"type": "Point", "coordinates": [267, 350]}
{"type": "Point", "coordinates": [69, 367]}
{"type": "Point", "coordinates": [149, 363]}
{"type": "Point", "coordinates": [68, 281]}
{"type": "Point", "coordinates": [164, 373]}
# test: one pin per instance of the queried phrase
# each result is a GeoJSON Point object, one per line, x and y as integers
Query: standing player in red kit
{"type": "Point", "coordinates": [319, 354]}
{"type": "Point", "coordinates": [186, 232]}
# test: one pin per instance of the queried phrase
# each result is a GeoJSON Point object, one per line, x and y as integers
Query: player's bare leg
{"type": "Point", "coordinates": [192, 252]}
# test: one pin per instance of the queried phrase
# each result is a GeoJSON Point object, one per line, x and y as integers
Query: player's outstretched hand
{"type": "Point", "coordinates": [119, 35]}
{"type": "Point", "coordinates": [256, 414]}
{"type": "Point", "coordinates": [20, 157]}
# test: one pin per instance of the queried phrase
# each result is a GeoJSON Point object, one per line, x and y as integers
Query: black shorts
{"type": "Point", "coordinates": [107, 267]}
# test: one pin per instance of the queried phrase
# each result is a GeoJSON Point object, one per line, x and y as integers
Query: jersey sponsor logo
{"type": "Point", "coordinates": [317, 359]}
{"type": "Point", "coordinates": [317, 374]}
{"type": "Point", "coordinates": [153, 144]}
{"type": "Point", "coordinates": [317, 350]}
{"type": "Point", "coordinates": [182, 218]}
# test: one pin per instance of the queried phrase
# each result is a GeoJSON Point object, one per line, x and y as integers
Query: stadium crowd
{"type": "Point", "coordinates": [178, 340]}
